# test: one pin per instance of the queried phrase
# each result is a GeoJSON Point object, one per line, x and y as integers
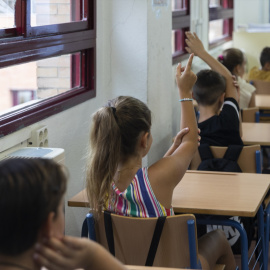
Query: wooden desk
{"type": "Point", "coordinates": [214, 193]}
{"type": "Point", "coordinates": [262, 101]}
{"type": "Point", "coordinates": [256, 133]}
{"type": "Point", "coordinates": [219, 193]}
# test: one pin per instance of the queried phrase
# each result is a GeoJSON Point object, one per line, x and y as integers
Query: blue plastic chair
{"type": "Point", "coordinates": [130, 248]}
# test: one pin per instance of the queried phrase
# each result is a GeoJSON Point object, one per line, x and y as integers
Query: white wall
{"type": "Point", "coordinates": [251, 11]}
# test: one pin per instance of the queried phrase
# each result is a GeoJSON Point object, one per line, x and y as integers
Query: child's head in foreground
{"type": "Point", "coordinates": [31, 203]}
{"type": "Point", "coordinates": [209, 88]}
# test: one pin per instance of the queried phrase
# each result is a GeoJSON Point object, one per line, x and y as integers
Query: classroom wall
{"type": "Point", "coordinates": [133, 58]}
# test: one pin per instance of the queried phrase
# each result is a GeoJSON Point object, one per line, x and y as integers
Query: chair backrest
{"type": "Point", "coordinates": [132, 239]}
{"type": "Point", "coordinates": [249, 159]}
{"type": "Point", "coordinates": [262, 87]}
{"type": "Point", "coordinates": [251, 115]}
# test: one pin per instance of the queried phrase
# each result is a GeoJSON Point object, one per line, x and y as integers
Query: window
{"type": "Point", "coordinates": [47, 59]}
{"type": "Point", "coordinates": [220, 21]}
{"type": "Point", "coordinates": [180, 24]}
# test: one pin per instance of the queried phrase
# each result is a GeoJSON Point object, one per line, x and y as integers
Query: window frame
{"type": "Point", "coordinates": [224, 12]}
{"type": "Point", "coordinates": [49, 41]}
{"type": "Point", "coordinates": [181, 22]}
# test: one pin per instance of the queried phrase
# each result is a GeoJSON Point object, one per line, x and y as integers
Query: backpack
{"type": "Point", "coordinates": [227, 164]}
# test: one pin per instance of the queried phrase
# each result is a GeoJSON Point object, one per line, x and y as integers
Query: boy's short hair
{"type": "Point", "coordinates": [209, 86]}
{"type": "Point", "coordinates": [265, 56]}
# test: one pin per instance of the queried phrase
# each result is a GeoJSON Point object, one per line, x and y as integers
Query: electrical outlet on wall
{"type": "Point", "coordinates": [39, 137]}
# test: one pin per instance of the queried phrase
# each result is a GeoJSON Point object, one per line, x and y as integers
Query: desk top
{"type": "Point", "coordinates": [256, 133]}
{"type": "Point", "coordinates": [220, 193]}
{"type": "Point", "coordinates": [262, 101]}
{"type": "Point", "coordinates": [215, 193]}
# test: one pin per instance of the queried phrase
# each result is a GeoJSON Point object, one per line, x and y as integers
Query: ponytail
{"type": "Point", "coordinates": [105, 142]}
{"type": "Point", "coordinates": [114, 135]}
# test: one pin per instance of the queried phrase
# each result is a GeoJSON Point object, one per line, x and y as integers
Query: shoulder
{"type": "Point", "coordinates": [231, 103]}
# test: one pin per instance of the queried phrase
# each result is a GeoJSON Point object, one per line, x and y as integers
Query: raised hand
{"type": "Point", "coordinates": [194, 44]}
{"type": "Point", "coordinates": [185, 77]}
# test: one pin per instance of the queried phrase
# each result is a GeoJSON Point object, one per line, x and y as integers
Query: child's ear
{"type": "Point", "coordinates": [221, 99]}
{"type": "Point", "coordinates": [47, 228]}
{"type": "Point", "coordinates": [144, 140]}
{"type": "Point", "coordinates": [267, 66]}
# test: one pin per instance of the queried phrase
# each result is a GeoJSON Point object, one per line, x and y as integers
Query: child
{"type": "Point", "coordinates": [212, 90]}
{"type": "Point", "coordinates": [234, 60]}
{"type": "Point", "coordinates": [32, 209]}
{"type": "Point", "coordinates": [262, 74]}
{"type": "Point", "coordinates": [116, 181]}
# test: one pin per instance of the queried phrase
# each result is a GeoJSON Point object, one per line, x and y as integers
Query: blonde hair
{"type": "Point", "coordinates": [114, 135]}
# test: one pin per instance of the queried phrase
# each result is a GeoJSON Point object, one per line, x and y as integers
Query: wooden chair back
{"type": "Point", "coordinates": [133, 236]}
{"type": "Point", "coordinates": [251, 115]}
{"type": "Point", "coordinates": [262, 87]}
{"type": "Point", "coordinates": [249, 160]}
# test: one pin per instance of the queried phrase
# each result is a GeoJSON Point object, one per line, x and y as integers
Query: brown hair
{"type": "Point", "coordinates": [29, 190]}
{"type": "Point", "coordinates": [209, 86]}
{"type": "Point", "coordinates": [231, 58]}
{"type": "Point", "coordinates": [265, 56]}
{"type": "Point", "coordinates": [114, 135]}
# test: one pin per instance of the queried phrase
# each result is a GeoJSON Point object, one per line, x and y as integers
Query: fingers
{"type": "Point", "coordinates": [178, 69]}
{"type": "Point", "coordinates": [47, 257]}
{"type": "Point", "coordinates": [195, 35]}
{"type": "Point", "coordinates": [188, 50]}
{"type": "Point", "coordinates": [189, 63]}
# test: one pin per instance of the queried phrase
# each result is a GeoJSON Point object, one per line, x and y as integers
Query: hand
{"type": "Point", "coordinates": [68, 253]}
{"type": "Point", "coordinates": [178, 138]}
{"type": "Point", "coordinates": [185, 77]}
{"type": "Point", "coordinates": [194, 44]}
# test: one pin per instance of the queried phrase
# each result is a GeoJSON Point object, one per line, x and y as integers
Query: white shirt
{"type": "Point", "coordinates": [246, 91]}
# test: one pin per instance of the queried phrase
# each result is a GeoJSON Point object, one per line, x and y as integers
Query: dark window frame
{"type": "Point", "coordinates": [25, 44]}
{"type": "Point", "coordinates": [181, 22]}
{"type": "Point", "coordinates": [224, 12]}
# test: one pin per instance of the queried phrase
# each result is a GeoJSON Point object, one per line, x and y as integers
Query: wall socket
{"type": "Point", "coordinates": [39, 137]}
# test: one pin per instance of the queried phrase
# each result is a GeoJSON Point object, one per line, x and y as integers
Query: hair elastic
{"type": "Point", "coordinates": [221, 57]}
{"type": "Point", "coordinates": [186, 99]}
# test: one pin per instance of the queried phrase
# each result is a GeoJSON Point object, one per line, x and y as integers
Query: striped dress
{"type": "Point", "coordinates": [138, 200]}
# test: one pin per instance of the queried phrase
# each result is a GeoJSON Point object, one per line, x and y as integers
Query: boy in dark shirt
{"type": "Point", "coordinates": [215, 90]}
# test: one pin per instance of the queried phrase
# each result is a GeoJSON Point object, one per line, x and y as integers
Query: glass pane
{"type": "Point", "coordinates": [177, 41]}
{"type": "Point", "coordinates": [55, 11]}
{"type": "Point", "coordinates": [214, 3]}
{"type": "Point", "coordinates": [215, 30]}
{"type": "Point", "coordinates": [7, 12]}
{"type": "Point", "coordinates": [39, 80]}
{"type": "Point", "coordinates": [179, 4]}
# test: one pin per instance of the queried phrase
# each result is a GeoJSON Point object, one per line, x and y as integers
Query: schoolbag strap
{"type": "Point", "coordinates": [109, 231]}
{"type": "Point", "coordinates": [205, 152]}
{"type": "Point", "coordinates": [155, 241]}
{"type": "Point", "coordinates": [233, 152]}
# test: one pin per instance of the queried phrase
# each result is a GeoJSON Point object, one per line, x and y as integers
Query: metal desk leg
{"type": "Point", "coordinates": [267, 224]}
{"type": "Point", "coordinates": [260, 218]}
{"type": "Point", "coordinates": [243, 236]}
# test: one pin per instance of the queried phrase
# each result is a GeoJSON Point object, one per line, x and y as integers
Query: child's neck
{"type": "Point", "coordinates": [207, 112]}
{"type": "Point", "coordinates": [126, 171]}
